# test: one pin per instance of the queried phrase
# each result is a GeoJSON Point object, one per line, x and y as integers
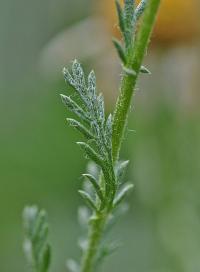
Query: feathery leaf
{"type": "Point", "coordinates": [95, 185]}
{"type": "Point", "coordinates": [140, 9]}
{"type": "Point", "coordinates": [81, 128]}
{"type": "Point", "coordinates": [120, 50]}
{"type": "Point", "coordinates": [92, 85]}
{"type": "Point", "coordinates": [90, 202]}
{"type": "Point", "coordinates": [122, 194]}
{"type": "Point", "coordinates": [129, 12]}
{"type": "Point", "coordinates": [101, 111]}
{"type": "Point", "coordinates": [108, 131]}
{"type": "Point", "coordinates": [120, 170]}
{"type": "Point", "coordinates": [144, 70]}
{"type": "Point", "coordinates": [91, 153]}
{"type": "Point", "coordinates": [79, 77]}
{"type": "Point", "coordinates": [36, 247]}
{"type": "Point", "coordinates": [120, 16]}
{"type": "Point", "coordinates": [75, 108]}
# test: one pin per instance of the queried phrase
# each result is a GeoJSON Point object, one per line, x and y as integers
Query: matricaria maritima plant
{"type": "Point", "coordinates": [103, 136]}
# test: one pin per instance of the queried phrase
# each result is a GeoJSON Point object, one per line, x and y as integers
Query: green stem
{"type": "Point", "coordinates": [129, 80]}
{"type": "Point", "coordinates": [135, 59]}
{"type": "Point", "coordinates": [95, 234]}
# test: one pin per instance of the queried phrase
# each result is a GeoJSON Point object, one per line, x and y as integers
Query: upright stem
{"type": "Point", "coordinates": [129, 80]}
{"type": "Point", "coordinates": [135, 58]}
{"type": "Point", "coordinates": [95, 235]}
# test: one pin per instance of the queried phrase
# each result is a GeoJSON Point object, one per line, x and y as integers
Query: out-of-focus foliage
{"type": "Point", "coordinates": [36, 247]}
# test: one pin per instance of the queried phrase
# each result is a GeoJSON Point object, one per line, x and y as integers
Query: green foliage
{"type": "Point", "coordinates": [96, 129]}
{"type": "Point", "coordinates": [128, 18]}
{"type": "Point", "coordinates": [36, 247]}
{"type": "Point", "coordinates": [105, 193]}
{"type": "Point", "coordinates": [88, 106]}
{"type": "Point", "coordinates": [140, 9]}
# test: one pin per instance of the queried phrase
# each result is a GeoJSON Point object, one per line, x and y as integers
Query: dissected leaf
{"type": "Point", "coordinates": [89, 201]}
{"type": "Point", "coordinates": [101, 111]}
{"type": "Point", "coordinates": [129, 6]}
{"type": "Point", "coordinates": [120, 50]}
{"type": "Point", "coordinates": [122, 194]}
{"type": "Point", "coordinates": [129, 13]}
{"type": "Point", "coordinates": [75, 108]}
{"type": "Point", "coordinates": [95, 185]}
{"type": "Point", "coordinates": [29, 219]}
{"type": "Point", "coordinates": [120, 16]}
{"type": "Point", "coordinates": [68, 78]}
{"type": "Point", "coordinates": [144, 70]}
{"type": "Point", "coordinates": [91, 153]}
{"type": "Point", "coordinates": [92, 85]}
{"type": "Point", "coordinates": [120, 170]}
{"type": "Point", "coordinates": [129, 71]}
{"type": "Point", "coordinates": [108, 131]}
{"type": "Point", "coordinates": [36, 248]}
{"type": "Point", "coordinates": [105, 251]}
{"type": "Point", "coordinates": [46, 257]}
{"type": "Point", "coordinates": [79, 77]}
{"type": "Point", "coordinates": [81, 128]}
{"type": "Point", "coordinates": [140, 9]}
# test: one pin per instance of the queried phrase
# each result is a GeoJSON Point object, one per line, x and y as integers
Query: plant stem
{"type": "Point", "coordinates": [135, 58]}
{"type": "Point", "coordinates": [95, 234]}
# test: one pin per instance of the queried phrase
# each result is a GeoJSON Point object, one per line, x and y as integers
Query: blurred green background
{"type": "Point", "coordinates": [40, 163]}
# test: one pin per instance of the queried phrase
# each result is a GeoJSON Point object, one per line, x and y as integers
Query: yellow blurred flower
{"type": "Point", "coordinates": [178, 20]}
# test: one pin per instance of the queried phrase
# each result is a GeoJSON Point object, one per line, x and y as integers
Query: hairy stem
{"type": "Point", "coordinates": [135, 58]}
{"type": "Point", "coordinates": [95, 234]}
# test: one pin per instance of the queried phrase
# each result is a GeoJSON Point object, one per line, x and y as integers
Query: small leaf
{"type": "Point", "coordinates": [81, 128]}
{"type": "Point", "coordinates": [41, 238]}
{"type": "Point", "coordinates": [120, 16]}
{"type": "Point", "coordinates": [88, 199]}
{"type": "Point", "coordinates": [36, 248]}
{"type": "Point", "coordinates": [144, 70]}
{"type": "Point", "coordinates": [79, 77]}
{"type": "Point", "coordinates": [120, 50]}
{"type": "Point", "coordinates": [129, 12]}
{"type": "Point", "coordinates": [129, 71]}
{"type": "Point", "coordinates": [39, 223]}
{"type": "Point", "coordinates": [93, 169]}
{"type": "Point", "coordinates": [46, 257]}
{"type": "Point", "coordinates": [29, 219]}
{"type": "Point", "coordinates": [140, 9]}
{"type": "Point", "coordinates": [120, 211]}
{"type": "Point", "coordinates": [75, 108]}
{"type": "Point", "coordinates": [101, 112]}
{"type": "Point", "coordinates": [68, 78]}
{"type": "Point", "coordinates": [95, 185]}
{"type": "Point", "coordinates": [120, 169]}
{"type": "Point", "coordinates": [91, 153]}
{"type": "Point", "coordinates": [108, 128]}
{"type": "Point", "coordinates": [105, 251]}
{"type": "Point", "coordinates": [92, 84]}
{"type": "Point", "coordinates": [78, 82]}
{"type": "Point", "coordinates": [120, 197]}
